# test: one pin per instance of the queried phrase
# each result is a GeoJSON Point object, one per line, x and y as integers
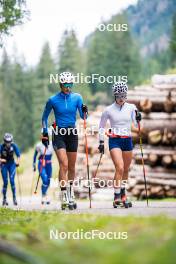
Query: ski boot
{"type": "Point", "coordinates": [4, 202]}
{"type": "Point", "coordinates": [71, 196]}
{"type": "Point", "coordinates": [125, 201]}
{"type": "Point", "coordinates": [64, 200]}
{"type": "Point", "coordinates": [117, 203]}
{"type": "Point", "coordinates": [15, 201]}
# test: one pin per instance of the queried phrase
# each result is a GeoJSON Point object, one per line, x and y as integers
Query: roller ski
{"type": "Point", "coordinates": [117, 203]}
{"type": "Point", "coordinates": [45, 200]}
{"type": "Point", "coordinates": [64, 200]}
{"type": "Point", "coordinates": [121, 201]}
{"type": "Point", "coordinates": [15, 201]}
{"type": "Point", "coordinates": [126, 202]}
{"type": "Point", "coordinates": [4, 202]}
{"type": "Point", "coordinates": [72, 202]}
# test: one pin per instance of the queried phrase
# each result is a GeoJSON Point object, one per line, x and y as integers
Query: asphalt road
{"type": "Point", "coordinates": [101, 207]}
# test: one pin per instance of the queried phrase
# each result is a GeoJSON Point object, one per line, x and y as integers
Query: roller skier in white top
{"type": "Point", "coordinates": [121, 115]}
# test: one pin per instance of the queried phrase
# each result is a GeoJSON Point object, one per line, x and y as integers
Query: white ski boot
{"type": "Point", "coordinates": [71, 196]}
{"type": "Point", "coordinates": [64, 200]}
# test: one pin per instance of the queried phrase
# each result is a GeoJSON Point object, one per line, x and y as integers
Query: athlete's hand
{"type": "Point", "coordinates": [84, 108]}
{"type": "Point", "coordinates": [45, 139]}
{"type": "Point", "coordinates": [3, 160]}
{"type": "Point", "coordinates": [138, 116]}
{"type": "Point", "coordinates": [17, 164]}
{"type": "Point", "coordinates": [101, 147]}
{"type": "Point", "coordinates": [34, 167]}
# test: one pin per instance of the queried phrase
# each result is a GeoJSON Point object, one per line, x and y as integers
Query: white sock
{"type": "Point", "coordinates": [117, 190]}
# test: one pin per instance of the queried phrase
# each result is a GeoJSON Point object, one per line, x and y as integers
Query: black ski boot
{"type": "Point", "coordinates": [4, 202]}
{"type": "Point", "coordinates": [117, 203]}
{"type": "Point", "coordinates": [15, 201]}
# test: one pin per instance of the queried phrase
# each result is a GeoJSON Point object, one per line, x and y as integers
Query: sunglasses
{"type": "Point", "coordinates": [67, 85]}
{"type": "Point", "coordinates": [121, 97]}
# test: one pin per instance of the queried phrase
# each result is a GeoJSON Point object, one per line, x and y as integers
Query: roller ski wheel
{"type": "Point", "coordinates": [72, 205]}
{"type": "Point", "coordinates": [45, 200]}
{"type": "Point", "coordinates": [64, 206]}
{"type": "Point", "coordinates": [5, 203]}
{"type": "Point", "coordinates": [127, 204]}
{"type": "Point", "coordinates": [117, 204]}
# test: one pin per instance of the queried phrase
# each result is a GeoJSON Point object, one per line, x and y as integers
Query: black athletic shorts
{"type": "Point", "coordinates": [66, 138]}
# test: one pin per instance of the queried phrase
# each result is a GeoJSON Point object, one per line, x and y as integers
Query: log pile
{"type": "Point", "coordinates": [157, 103]}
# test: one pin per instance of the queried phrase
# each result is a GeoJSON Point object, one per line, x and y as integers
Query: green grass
{"type": "Point", "coordinates": [150, 240]}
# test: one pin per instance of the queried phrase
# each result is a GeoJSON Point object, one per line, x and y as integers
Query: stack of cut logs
{"type": "Point", "coordinates": [157, 102]}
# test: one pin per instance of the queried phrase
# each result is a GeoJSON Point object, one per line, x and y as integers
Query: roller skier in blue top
{"type": "Point", "coordinates": [65, 138]}
{"type": "Point", "coordinates": [8, 166]}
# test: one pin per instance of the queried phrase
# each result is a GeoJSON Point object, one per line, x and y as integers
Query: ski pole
{"type": "Point", "coordinates": [33, 177]}
{"type": "Point", "coordinates": [98, 165]}
{"type": "Point", "coordinates": [41, 168]}
{"type": "Point", "coordinates": [141, 148]}
{"type": "Point", "coordinates": [87, 160]}
{"type": "Point", "coordinates": [19, 186]}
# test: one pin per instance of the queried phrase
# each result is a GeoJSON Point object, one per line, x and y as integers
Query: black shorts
{"type": "Point", "coordinates": [66, 138]}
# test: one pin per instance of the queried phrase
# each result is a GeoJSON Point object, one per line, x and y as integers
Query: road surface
{"type": "Point", "coordinates": [101, 207]}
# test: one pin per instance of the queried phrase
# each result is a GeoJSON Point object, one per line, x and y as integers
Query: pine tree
{"type": "Point", "coordinates": [113, 53]}
{"type": "Point", "coordinates": [173, 42]}
{"type": "Point", "coordinates": [21, 97]}
{"type": "Point", "coordinates": [72, 58]}
{"type": "Point", "coordinates": [43, 89]}
{"type": "Point", "coordinates": [69, 53]}
{"type": "Point", "coordinates": [7, 122]}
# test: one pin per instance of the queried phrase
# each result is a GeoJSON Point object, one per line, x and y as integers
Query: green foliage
{"type": "Point", "coordinates": [72, 58]}
{"type": "Point", "coordinates": [30, 231]}
{"type": "Point", "coordinates": [69, 53]}
{"type": "Point", "coordinates": [42, 88]}
{"type": "Point", "coordinates": [24, 91]}
{"type": "Point", "coordinates": [112, 53]}
{"type": "Point", "coordinates": [16, 97]}
{"type": "Point", "coordinates": [173, 42]}
{"type": "Point", "coordinates": [12, 13]}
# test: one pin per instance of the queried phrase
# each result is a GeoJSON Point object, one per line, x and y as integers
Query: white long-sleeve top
{"type": "Point", "coordinates": [120, 117]}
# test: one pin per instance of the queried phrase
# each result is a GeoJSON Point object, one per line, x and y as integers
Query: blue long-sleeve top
{"type": "Point", "coordinates": [8, 153]}
{"type": "Point", "coordinates": [65, 107]}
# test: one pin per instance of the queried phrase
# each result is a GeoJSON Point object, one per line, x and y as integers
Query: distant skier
{"type": "Point", "coordinates": [121, 116]}
{"type": "Point", "coordinates": [8, 166]}
{"type": "Point", "coordinates": [45, 169]}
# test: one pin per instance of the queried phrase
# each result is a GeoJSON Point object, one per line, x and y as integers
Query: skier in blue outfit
{"type": "Point", "coordinates": [65, 138]}
{"type": "Point", "coordinates": [8, 166]}
{"type": "Point", "coordinates": [45, 169]}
